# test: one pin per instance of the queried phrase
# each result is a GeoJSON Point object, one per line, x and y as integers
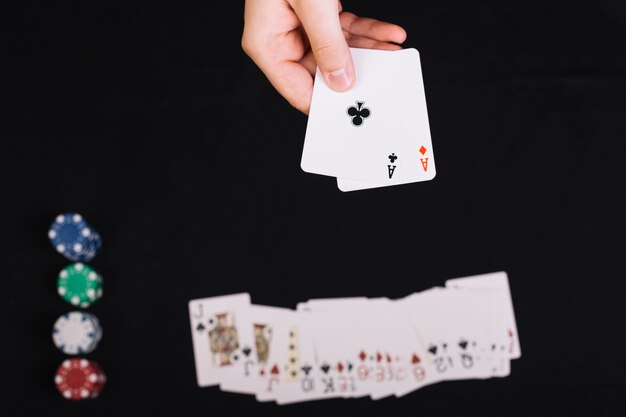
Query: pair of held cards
{"type": "Point", "coordinates": [376, 134]}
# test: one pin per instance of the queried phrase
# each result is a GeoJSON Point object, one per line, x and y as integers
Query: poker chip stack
{"type": "Point", "coordinates": [79, 285]}
{"type": "Point", "coordinates": [74, 238]}
{"type": "Point", "coordinates": [79, 379]}
{"type": "Point", "coordinates": [77, 332]}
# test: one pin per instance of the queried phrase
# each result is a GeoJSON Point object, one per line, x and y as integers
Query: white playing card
{"type": "Point", "coordinates": [216, 335]}
{"type": "Point", "coordinates": [244, 376]}
{"type": "Point", "coordinates": [298, 383]}
{"type": "Point", "coordinates": [267, 326]}
{"type": "Point", "coordinates": [421, 310]}
{"type": "Point", "coordinates": [326, 304]}
{"type": "Point", "coordinates": [284, 374]}
{"type": "Point", "coordinates": [372, 329]}
{"type": "Point", "coordinates": [378, 131]}
{"type": "Point", "coordinates": [495, 280]}
{"type": "Point", "coordinates": [471, 339]}
{"type": "Point", "coordinates": [347, 185]}
{"type": "Point", "coordinates": [402, 349]}
{"type": "Point", "coordinates": [334, 343]}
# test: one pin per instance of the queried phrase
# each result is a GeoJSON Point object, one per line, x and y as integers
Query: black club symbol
{"type": "Point", "coordinates": [358, 113]}
{"type": "Point", "coordinates": [392, 158]}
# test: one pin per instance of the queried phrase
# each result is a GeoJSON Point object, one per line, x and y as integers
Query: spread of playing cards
{"type": "Point", "coordinates": [376, 134]}
{"type": "Point", "coordinates": [356, 347]}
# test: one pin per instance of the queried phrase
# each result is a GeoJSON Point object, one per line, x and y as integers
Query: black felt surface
{"type": "Point", "coordinates": [152, 123]}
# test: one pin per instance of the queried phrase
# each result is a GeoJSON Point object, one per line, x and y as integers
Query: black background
{"type": "Point", "coordinates": [151, 122]}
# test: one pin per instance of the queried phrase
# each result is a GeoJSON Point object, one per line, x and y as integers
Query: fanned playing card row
{"type": "Point", "coordinates": [356, 347]}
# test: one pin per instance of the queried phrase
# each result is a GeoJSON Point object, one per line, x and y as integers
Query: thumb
{"type": "Point", "coordinates": [320, 19]}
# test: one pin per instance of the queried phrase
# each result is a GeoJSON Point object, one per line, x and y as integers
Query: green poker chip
{"type": "Point", "coordinates": [79, 285]}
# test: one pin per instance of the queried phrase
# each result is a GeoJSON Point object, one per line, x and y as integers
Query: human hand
{"type": "Point", "coordinates": [288, 39]}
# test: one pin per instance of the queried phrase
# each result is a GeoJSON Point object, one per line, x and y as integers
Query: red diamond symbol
{"type": "Point", "coordinates": [339, 367]}
{"type": "Point", "coordinates": [379, 357]}
{"type": "Point", "coordinates": [362, 355]}
{"type": "Point", "coordinates": [422, 150]}
{"type": "Point", "coordinates": [415, 359]}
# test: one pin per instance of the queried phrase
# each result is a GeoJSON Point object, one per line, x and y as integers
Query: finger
{"type": "Point", "coordinates": [368, 43]}
{"type": "Point", "coordinates": [308, 62]}
{"type": "Point", "coordinates": [320, 19]}
{"type": "Point", "coordinates": [372, 28]}
{"type": "Point", "coordinates": [305, 39]}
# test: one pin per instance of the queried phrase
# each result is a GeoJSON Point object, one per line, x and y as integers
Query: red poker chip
{"type": "Point", "coordinates": [79, 379]}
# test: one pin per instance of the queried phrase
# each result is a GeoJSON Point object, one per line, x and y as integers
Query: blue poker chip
{"type": "Point", "coordinates": [92, 250]}
{"type": "Point", "coordinates": [74, 238]}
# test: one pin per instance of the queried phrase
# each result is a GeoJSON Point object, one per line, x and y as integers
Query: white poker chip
{"type": "Point", "coordinates": [76, 333]}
